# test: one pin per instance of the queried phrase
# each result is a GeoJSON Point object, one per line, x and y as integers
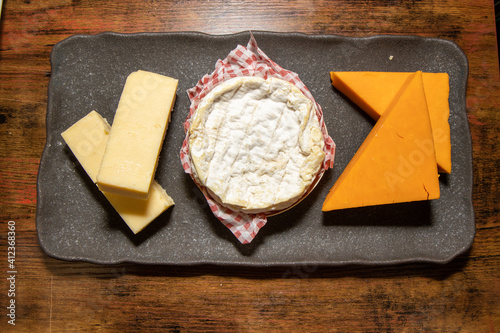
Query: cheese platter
{"type": "Point", "coordinates": [75, 222]}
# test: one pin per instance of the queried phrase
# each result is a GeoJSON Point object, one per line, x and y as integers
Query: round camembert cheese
{"type": "Point", "coordinates": [256, 144]}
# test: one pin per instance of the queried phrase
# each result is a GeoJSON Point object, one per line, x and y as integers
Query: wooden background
{"type": "Point", "coordinates": [58, 296]}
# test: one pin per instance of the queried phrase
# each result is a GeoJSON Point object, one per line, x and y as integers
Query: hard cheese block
{"type": "Point", "coordinates": [374, 91]}
{"type": "Point", "coordinates": [396, 162]}
{"type": "Point", "coordinates": [87, 140]}
{"type": "Point", "coordinates": [141, 120]}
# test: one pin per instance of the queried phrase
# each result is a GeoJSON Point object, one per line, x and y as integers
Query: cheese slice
{"type": "Point", "coordinates": [396, 162]}
{"type": "Point", "coordinates": [139, 126]}
{"type": "Point", "coordinates": [256, 144]}
{"type": "Point", "coordinates": [87, 140]}
{"type": "Point", "coordinates": [374, 91]}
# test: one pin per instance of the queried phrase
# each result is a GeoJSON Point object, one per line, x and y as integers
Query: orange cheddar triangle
{"type": "Point", "coordinates": [396, 162]}
{"type": "Point", "coordinates": [374, 91]}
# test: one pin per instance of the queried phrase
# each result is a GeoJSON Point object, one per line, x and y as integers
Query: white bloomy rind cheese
{"type": "Point", "coordinates": [139, 126]}
{"type": "Point", "coordinates": [87, 140]}
{"type": "Point", "coordinates": [256, 144]}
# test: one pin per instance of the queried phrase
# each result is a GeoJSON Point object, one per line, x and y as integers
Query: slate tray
{"type": "Point", "coordinates": [75, 222]}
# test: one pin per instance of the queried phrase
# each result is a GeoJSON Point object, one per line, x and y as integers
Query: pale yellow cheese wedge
{"type": "Point", "coordinates": [139, 126]}
{"type": "Point", "coordinates": [87, 140]}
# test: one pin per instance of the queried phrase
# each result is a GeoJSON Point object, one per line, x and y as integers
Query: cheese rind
{"type": "Point", "coordinates": [256, 144]}
{"type": "Point", "coordinates": [396, 162]}
{"type": "Point", "coordinates": [139, 126]}
{"type": "Point", "coordinates": [374, 91]}
{"type": "Point", "coordinates": [87, 140]}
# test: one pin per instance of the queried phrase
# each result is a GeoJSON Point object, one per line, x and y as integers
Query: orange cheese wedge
{"type": "Point", "coordinates": [374, 91]}
{"type": "Point", "coordinates": [396, 162]}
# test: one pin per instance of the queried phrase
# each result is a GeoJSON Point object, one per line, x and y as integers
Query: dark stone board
{"type": "Point", "coordinates": [75, 222]}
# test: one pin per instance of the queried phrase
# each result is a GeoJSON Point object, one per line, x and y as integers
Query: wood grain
{"type": "Point", "coordinates": [58, 296]}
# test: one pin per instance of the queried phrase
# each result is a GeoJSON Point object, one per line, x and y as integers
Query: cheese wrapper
{"type": "Point", "coordinates": [247, 61]}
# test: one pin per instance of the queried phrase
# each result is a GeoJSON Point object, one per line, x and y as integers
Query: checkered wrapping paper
{"type": "Point", "coordinates": [246, 61]}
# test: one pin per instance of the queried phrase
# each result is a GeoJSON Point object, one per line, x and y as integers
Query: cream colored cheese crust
{"type": "Point", "coordinates": [256, 144]}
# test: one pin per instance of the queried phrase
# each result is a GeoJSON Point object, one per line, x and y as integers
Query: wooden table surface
{"type": "Point", "coordinates": [53, 295]}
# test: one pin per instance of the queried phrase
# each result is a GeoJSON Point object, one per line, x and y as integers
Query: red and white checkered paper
{"type": "Point", "coordinates": [246, 61]}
